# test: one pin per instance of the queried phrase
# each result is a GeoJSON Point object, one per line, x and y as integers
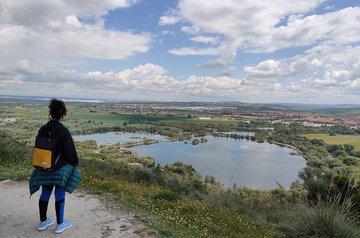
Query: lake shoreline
{"type": "Point", "coordinates": [298, 152]}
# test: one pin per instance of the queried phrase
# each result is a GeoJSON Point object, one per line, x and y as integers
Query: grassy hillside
{"type": "Point", "coordinates": [176, 202]}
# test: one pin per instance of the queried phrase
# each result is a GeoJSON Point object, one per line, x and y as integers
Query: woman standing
{"type": "Point", "coordinates": [64, 176]}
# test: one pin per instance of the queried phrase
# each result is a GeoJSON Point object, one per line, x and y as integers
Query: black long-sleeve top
{"type": "Point", "coordinates": [65, 144]}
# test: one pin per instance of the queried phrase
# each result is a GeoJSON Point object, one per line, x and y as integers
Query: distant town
{"type": "Point", "coordinates": [305, 114]}
{"type": "Point", "coordinates": [271, 114]}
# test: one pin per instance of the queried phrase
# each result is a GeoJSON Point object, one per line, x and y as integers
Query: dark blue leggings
{"type": "Point", "coordinates": [59, 202]}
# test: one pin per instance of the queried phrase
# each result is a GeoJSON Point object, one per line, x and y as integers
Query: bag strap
{"type": "Point", "coordinates": [53, 167]}
{"type": "Point", "coordinates": [49, 132]}
{"type": "Point", "coordinates": [57, 159]}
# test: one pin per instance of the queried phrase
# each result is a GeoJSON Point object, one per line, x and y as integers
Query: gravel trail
{"type": "Point", "coordinates": [19, 216]}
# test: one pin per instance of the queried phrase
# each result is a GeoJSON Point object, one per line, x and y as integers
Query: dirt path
{"type": "Point", "coordinates": [19, 216]}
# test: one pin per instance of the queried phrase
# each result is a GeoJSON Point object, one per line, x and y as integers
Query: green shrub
{"type": "Point", "coordinates": [327, 221]}
{"type": "Point", "coordinates": [145, 161]}
{"type": "Point", "coordinates": [350, 161]}
{"type": "Point", "coordinates": [167, 195]}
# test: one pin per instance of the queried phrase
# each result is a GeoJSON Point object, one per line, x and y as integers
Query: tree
{"type": "Point", "coordinates": [333, 148]}
{"type": "Point", "coordinates": [350, 161]}
{"type": "Point", "coordinates": [348, 148]}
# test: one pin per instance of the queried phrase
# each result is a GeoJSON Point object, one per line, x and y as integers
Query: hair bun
{"type": "Point", "coordinates": [57, 108]}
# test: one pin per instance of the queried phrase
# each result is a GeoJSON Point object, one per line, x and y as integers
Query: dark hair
{"type": "Point", "coordinates": [57, 108]}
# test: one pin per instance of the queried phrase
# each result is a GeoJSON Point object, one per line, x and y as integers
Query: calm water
{"type": "Point", "coordinates": [113, 138]}
{"type": "Point", "coordinates": [246, 163]}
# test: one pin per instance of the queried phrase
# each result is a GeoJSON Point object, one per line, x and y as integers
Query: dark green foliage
{"type": "Point", "coordinates": [181, 168]}
{"type": "Point", "coordinates": [259, 136]}
{"type": "Point", "coordinates": [333, 163]}
{"type": "Point", "coordinates": [183, 178]}
{"type": "Point", "coordinates": [313, 151]}
{"type": "Point", "coordinates": [339, 153]}
{"type": "Point", "coordinates": [318, 142]}
{"type": "Point", "coordinates": [195, 142]}
{"type": "Point", "coordinates": [350, 161]}
{"type": "Point", "coordinates": [334, 148]}
{"type": "Point", "coordinates": [342, 150]}
{"type": "Point", "coordinates": [167, 195]}
{"type": "Point", "coordinates": [316, 183]}
{"type": "Point", "coordinates": [330, 187]}
{"type": "Point", "coordinates": [349, 148]}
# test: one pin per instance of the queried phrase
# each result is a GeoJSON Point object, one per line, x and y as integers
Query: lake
{"type": "Point", "coordinates": [241, 162]}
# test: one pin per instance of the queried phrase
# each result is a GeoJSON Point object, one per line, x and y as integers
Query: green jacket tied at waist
{"type": "Point", "coordinates": [67, 177]}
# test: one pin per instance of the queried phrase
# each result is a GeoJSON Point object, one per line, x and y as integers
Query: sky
{"type": "Point", "coordinates": [303, 51]}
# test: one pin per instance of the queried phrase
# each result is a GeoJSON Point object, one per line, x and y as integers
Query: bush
{"type": "Point", "coordinates": [350, 161]}
{"type": "Point", "coordinates": [145, 175]}
{"type": "Point", "coordinates": [182, 169]}
{"type": "Point", "coordinates": [349, 148]}
{"type": "Point", "coordinates": [145, 161]}
{"type": "Point", "coordinates": [167, 195]}
{"type": "Point", "coordinates": [322, 221]}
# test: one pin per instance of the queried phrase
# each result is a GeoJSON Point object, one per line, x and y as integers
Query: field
{"type": "Point", "coordinates": [338, 139]}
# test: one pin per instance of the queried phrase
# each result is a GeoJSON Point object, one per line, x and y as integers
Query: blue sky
{"type": "Point", "coordinates": [242, 50]}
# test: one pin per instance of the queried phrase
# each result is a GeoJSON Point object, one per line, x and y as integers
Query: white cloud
{"type": "Point", "coordinates": [356, 68]}
{"type": "Point", "coordinates": [315, 62]}
{"type": "Point", "coordinates": [169, 18]}
{"type": "Point", "coordinates": [355, 84]}
{"type": "Point", "coordinates": [303, 65]}
{"type": "Point", "coordinates": [322, 62]}
{"type": "Point", "coordinates": [73, 21]}
{"type": "Point", "coordinates": [276, 86]}
{"type": "Point", "coordinates": [341, 75]}
{"type": "Point", "coordinates": [153, 82]}
{"type": "Point", "coordinates": [37, 13]}
{"type": "Point", "coordinates": [333, 27]}
{"type": "Point", "coordinates": [145, 77]}
{"type": "Point", "coordinates": [331, 71]}
{"type": "Point", "coordinates": [194, 51]}
{"type": "Point", "coordinates": [265, 69]}
{"type": "Point", "coordinates": [229, 71]}
{"type": "Point", "coordinates": [95, 73]}
{"type": "Point", "coordinates": [328, 81]}
{"type": "Point", "coordinates": [205, 39]}
{"type": "Point", "coordinates": [38, 39]}
{"type": "Point", "coordinates": [215, 86]}
{"type": "Point", "coordinates": [148, 81]}
{"type": "Point", "coordinates": [50, 30]}
{"type": "Point", "coordinates": [265, 26]}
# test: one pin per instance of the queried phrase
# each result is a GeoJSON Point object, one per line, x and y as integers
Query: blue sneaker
{"type": "Point", "coordinates": [63, 226]}
{"type": "Point", "coordinates": [44, 224]}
